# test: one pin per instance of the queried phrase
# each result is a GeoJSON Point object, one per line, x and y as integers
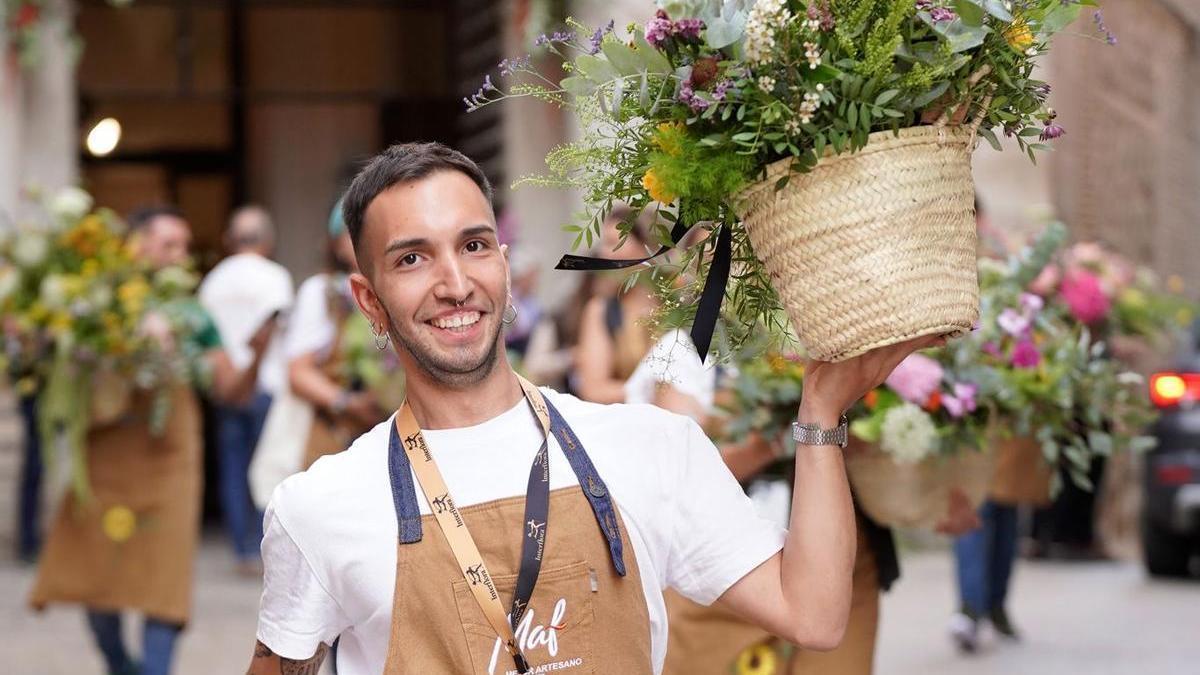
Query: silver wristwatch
{"type": "Point", "coordinates": [812, 434]}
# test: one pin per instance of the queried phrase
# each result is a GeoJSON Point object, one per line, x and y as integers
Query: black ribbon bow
{"type": "Point", "coordinates": [714, 286]}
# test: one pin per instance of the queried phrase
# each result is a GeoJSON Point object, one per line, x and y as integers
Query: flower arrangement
{"type": "Point", "coordinates": [1045, 372]}
{"type": "Point", "coordinates": [1114, 298]}
{"type": "Point", "coordinates": [78, 308]}
{"type": "Point", "coordinates": [683, 113]}
{"type": "Point", "coordinates": [923, 409]}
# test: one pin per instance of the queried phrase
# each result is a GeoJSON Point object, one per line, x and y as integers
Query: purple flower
{"type": "Point", "coordinates": [924, 4]}
{"type": "Point", "coordinates": [1013, 322]}
{"type": "Point", "coordinates": [688, 29]}
{"type": "Point", "coordinates": [510, 66]}
{"type": "Point", "coordinates": [962, 401]}
{"type": "Point", "coordinates": [556, 36]}
{"type": "Point", "coordinates": [1026, 355]}
{"type": "Point", "coordinates": [941, 14]}
{"type": "Point", "coordinates": [916, 378]}
{"type": "Point", "coordinates": [1051, 132]}
{"type": "Point", "coordinates": [687, 96]}
{"type": "Point", "coordinates": [658, 29]}
{"type": "Point", "coordinates": [1042, 91]}
{"type": "Point", "coordinates": [598, 37]}
{"type": "Point", "coordinates": [722, 87]}
{"type": "Point", "coordinates": [1032, 303]}
{"type": "Point", "coordinates": [992, 349]}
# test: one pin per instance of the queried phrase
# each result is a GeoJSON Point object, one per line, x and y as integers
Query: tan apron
{"type": "Point", "coordinates": [1022, 475]}
{"type": "Point", "coordinates": [583, 616]}
{"type": "Point", "coordinates": [714, 641]}
{"type": "Point", "coordinates": [133, 545]}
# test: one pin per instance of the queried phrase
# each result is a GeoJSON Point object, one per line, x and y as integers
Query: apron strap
{"type": "Point", "coordinates": [408, 510]}
{"type": "Point", "coordinates": [592, 485]}
{"type": "Point", "coordinates": [404, 493]}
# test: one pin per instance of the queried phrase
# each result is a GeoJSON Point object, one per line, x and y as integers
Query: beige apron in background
{"type": "Point", "coordinates": [133, 545]}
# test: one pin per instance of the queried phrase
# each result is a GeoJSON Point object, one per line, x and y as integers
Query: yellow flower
{"type": "Point", "coordinates": [667, 138]}
{"type": "Point", "coordinates": [132, 294]}
{"type": "Point", "coordinates": [1175, 284]}
{"type": "Point", "coordinates": [1018, 36]}
{"type": "Point", "coordinates": [38, 311]}
{"type": "Point", "coordinates": [757, 660]}
{"type": "Point", "coordinates": [119, 523]}
{"type": "Point", "coordinates": [654, 186]}
{"type": "Point", "coordinates": [60, 323]}
{"type": "Point", "coordinates": [90, 268]}
{"type": "Point", "coordinates": [1132, 297]}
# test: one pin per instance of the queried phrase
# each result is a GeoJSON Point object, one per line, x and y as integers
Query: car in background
{"type": "Point", "coordinates": [1171, 510]}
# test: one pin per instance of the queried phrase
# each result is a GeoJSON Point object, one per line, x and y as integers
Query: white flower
{"type": "Point", "coordinates": [9, 279]}
{"type": "Point", "coordinates": [908, 434]}
{"type": "Point", "coordinates": [53, 292]}
{"type": "Point", "coordinates": [1032, 51]}
{"type": "Point", "coordinates": [820, 87]}
{"type": "Point", "coordinates": [70, 204]}
{"type": "Point", "coordinates": [30, 249]}
{"type": "Point", "coordinates": [766, 83]}
{"type": "Point", "coordinates": [760, 29]}
{"type": "Point", "coordinates": [792, 127]}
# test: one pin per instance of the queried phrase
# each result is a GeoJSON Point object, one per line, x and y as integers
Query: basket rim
{"type": "Point", "coordinates": [878, 141]}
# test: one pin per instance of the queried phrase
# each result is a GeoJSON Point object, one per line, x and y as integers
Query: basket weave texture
{"type": "Point", "coordinates": [916, 495]}
{"type": "Point", "coordinates": [1022, 473]}
{"type": "Point", "coordinates": [872, 248]}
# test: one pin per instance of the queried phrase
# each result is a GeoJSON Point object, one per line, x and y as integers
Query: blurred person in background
{"type": "Point", "coordinates": [29, 494]}
{"type": "Point", "coordinates": [316, 369]}
{"type": "Point", "coordinates": [614, 333]}
{"type": "Point", "coordinates": [529, 309]}
{"type": "Point", "coordinates": [132, 547]}
{"type": "Point", "coordinates": [240, 293]}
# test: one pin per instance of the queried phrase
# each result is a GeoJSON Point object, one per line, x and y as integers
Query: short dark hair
{"type": "Point", "coordinates": [141, 217]}
{"type": "Point", "coordinates": [402, 163]}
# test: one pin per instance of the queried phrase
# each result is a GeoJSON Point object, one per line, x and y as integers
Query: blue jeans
{"type": "Point", "coordinates": [29, 538]}
{"type": "Point", "coordinates": [238, 430]}
{"type": "Point", "coordinates": [985, 559]}
{"type": "Point", "coordinates": [158, 644]}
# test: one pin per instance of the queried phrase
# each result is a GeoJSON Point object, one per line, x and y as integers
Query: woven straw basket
{"type": "Point", "coordinates": [916, 495]}
{"type": "Point", "coordinates": [1022, 473]}
{"type": "Point", "coordinates": [872, 248]}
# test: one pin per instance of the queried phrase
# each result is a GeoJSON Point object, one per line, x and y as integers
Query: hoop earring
{"type": "Point", "coordinates": [504, 318]}
{"type": "Point", "coordinates": [382, 339]}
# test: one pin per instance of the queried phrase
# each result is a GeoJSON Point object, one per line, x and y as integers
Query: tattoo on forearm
{"type": "Point", "coordinates": [309, 666]}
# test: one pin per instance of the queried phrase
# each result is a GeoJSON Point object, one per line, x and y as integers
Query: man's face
{"type": "Point", "coordinates": [165, 241]}
{"type": "Point", "coordinates": [435, 274]}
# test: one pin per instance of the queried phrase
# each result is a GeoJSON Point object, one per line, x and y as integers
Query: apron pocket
{"type": "Point", "coordinates": [556, 630]}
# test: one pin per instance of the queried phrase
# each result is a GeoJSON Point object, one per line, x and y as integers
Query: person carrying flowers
{"type": "Point", "coordinates": [128, 540]}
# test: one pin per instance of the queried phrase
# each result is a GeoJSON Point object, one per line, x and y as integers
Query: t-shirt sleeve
{"type": "Point", "coordinates": [309, 327]}
{"type": "Point", "coordinates": [718, 536]}
{"type": "Point", "coordinates": [296, 612]}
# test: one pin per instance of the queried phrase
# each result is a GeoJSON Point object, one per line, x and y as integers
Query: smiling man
{"type": "Point", "coordinates": [493, 527]}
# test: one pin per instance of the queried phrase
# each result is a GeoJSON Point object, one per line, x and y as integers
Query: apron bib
{"type": "Point", "coordinates": [587, 613]}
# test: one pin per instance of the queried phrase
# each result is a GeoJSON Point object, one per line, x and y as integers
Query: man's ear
{"type": "Point", "coordinates": [368, 303]}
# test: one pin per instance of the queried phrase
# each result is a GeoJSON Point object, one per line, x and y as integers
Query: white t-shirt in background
{"type": "Point", "coordinates": [240, 293]}
{"type": "Point", "coordinates": [330, 547]}
{"type": "Point", "coordinates": [311, 328]}
{"type": "Point", "coordinates": [673, 360]}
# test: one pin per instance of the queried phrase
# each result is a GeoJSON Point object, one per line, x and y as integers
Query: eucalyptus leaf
{"type": "Point", "coordinates": [653, 60]}
{"type": "Point", "coordinates": [578, 86]}
{"type": "Point", "coordinates": [970, 12]}
{"type": "Point", "coordinates": [995, 8]}
{"type": "Point", "coordinates": [622, 57]}
{"type": "Point", "coordinates": [931, 95]}
{"type": "Point", "coordinates": [595, 68]}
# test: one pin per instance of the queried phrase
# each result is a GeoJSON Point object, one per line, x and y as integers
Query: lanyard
{"type": "Point", "coordinates": [466, 553]}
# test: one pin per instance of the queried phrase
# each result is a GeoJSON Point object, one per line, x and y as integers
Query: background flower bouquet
{"type": "Point", "coordinates": [85, 323]}
{"type": "Point", "coordinates": [1048, 377]}
{"type": "Point", "coordinates": [824, 144]}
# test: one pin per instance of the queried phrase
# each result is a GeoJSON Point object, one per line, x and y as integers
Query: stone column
{"type": "Point", "coordinates": [50, 152]}
{"type": "Point", "coordinates": [10, 126]}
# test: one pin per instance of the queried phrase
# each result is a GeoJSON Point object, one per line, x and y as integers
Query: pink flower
{"type": "Point", "coordinates": [962, 401]}
{"type": "Point", "coordinates": [1046, 281]}
{"type": "Point", "coordinates": [993, 349]}
{"type": "Point", "coordinates": [659, 29]}
{"type": "Point", "coordinates": [916, 378]}
{"type": "Point", "coordinates": [1026, 355]}
{"type": "Point", "coordinates": [1013, 322]}
{"type": "Point", "coordinates": [1032, 303]}
{"type": "Point", "coordinates": [1085, 296]}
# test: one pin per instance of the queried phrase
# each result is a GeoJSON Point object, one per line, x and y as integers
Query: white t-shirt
{"type": "Point", "coordinates": [240, 293]}
{"type": "Point", "coordinates": [310, 328]}
{"type": "Point", "coordinates": [330, 547]}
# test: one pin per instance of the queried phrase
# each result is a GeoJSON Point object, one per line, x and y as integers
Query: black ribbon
{"type": "Point", "coordinates": [709, 307]}
{"type": "Point", "coordinates": [533, 545]}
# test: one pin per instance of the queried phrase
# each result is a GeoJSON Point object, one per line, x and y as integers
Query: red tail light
{"type": "Point", "coordinates": [1173, 474]}
{"type": "Point", "coordinates": [1169, 389]}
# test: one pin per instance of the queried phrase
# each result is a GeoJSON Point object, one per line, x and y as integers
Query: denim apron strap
{"type": "Point", "coordinates": [404, 494]}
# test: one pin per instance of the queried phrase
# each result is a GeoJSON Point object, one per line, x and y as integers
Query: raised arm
{"type": "Point", "coordinates": [803, 592]}
{"type": "Point", "coordinates": [267, 662]}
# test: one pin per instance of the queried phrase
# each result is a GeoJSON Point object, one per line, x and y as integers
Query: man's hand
{"type": "Point", "coordinates": [960, 517]}
{"type": "Point", "coordinates": [267, 662]}
{"type": "Point", "coordinates": [831, 388]}
{"type": "Point", "coordinates": [262, 335]}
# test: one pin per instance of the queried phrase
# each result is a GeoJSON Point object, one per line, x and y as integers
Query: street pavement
{"type": "Point", "coordinates": [1093, 618]}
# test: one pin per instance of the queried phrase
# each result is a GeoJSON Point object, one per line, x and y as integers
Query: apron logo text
{"type": "Point", "coordinates": [530, 637]}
